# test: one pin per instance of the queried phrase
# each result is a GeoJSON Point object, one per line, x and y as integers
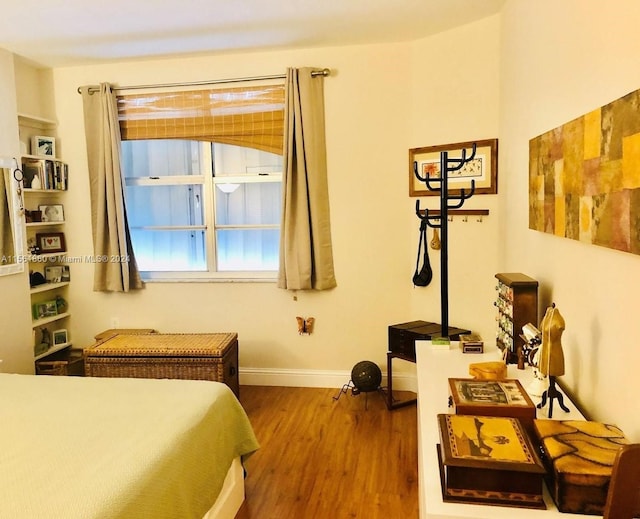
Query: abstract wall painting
{"type": "Point", "coordinates": [584, 177]}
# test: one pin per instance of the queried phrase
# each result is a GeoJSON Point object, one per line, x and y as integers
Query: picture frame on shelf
{"type": "Point", "coordinates": [43, 146]}
{"type": "Point", "coordinates": [483, 168]}
{"type": "Point", "coordinates": [45, 309]}
{"type": "Point", "coordinates": [41, 340]}
{"type": "Point", "coordinates": [60, 337]}
{"type": "Point", "coordinates": [53, 274]}
{"type": "Point", "coordinates": [50, 242]}
{"type": "Point", "coordinates": [66, 273]}
{"type": "Point", "coordinates": [33, 173]}
{"type": "Point", "coordinates": [52, 213]}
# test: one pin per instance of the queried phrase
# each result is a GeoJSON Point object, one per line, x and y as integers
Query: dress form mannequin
{"type": "Point", "coordinates": [551, 361]}
{"type": "Point", "coordinates": [551, 356]}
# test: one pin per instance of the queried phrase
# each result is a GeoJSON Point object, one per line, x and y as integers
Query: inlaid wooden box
{"type": "Point", "coordinates": [489, 460]}
{"type": "Point", "coordinates": [471, 396]}
{"type": "Point", "coordinates": [195, 356]}
{"type": "Point", "coordinates": [579, 456]}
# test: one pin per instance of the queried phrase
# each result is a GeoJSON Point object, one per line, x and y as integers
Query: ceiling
{"type": "Point", "coordinates": [76, 32]}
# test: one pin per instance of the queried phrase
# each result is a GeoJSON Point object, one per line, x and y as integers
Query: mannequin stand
{"type": "Point", "coordinates": [552, 393]}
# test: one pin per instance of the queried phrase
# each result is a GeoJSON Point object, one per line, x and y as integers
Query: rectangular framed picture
{"type": "Point", "coordinates": [482, 168]}
{"type": "Point", "coordinates": [50, 242]}
{"type": "Point", "coordinates": [60, 337]}
{"type": "Point", "coordinates": [45, 309]}
{"type": "Point", "coordinates": [53, 274]}
{"type": "Point", "coordinates": [52, 213]}
{"type": "Point", "coordinates": [33, 173]}
{"type": "Point", "coordinates": [43, 146]}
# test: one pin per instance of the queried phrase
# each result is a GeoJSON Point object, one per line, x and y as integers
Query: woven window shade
{"type": "Point", "coordinates": [246, 116]}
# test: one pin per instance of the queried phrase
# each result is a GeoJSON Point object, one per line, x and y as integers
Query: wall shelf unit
{"type": "Point", "coordinates": [51, 185]}
{"type": "Point", "coordinates": [47, 287]}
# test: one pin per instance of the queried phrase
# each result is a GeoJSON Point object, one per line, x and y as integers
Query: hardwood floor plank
{"type": "Point", "coordinates": [325, 458]}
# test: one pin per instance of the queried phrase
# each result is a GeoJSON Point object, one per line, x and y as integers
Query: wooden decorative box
{"type": "Point", "coordinates": [195, 356]}
{"type": "Point", "coordinates": [489, 460]}
{"type": "Point", "coordinates": [470, 396]}
{"type": "Point", "coordinates": [579, 457]}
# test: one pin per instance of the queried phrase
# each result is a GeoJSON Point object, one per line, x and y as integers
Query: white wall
{"type": "Point", "coordinates": [15, 318]}
{"type": "Point", "coordinates": [455, 97]}
{"type": "Point", "coordinates": [561, 60]}
{"type": "Point", "coordinates": [376, 108]}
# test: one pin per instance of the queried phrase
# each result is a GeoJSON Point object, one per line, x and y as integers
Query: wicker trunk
{"type": "Point", "coordinates": [195, 356]}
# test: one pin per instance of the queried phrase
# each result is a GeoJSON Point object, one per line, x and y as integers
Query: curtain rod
{"type": "Point", "coordinates": [324, 72]}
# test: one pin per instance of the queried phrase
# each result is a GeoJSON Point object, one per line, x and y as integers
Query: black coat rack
{"type": "Point", "coordinates": [439, 220]}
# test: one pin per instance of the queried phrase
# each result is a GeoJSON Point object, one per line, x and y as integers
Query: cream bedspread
{"type": "Point", "coordinates": [76, 447]}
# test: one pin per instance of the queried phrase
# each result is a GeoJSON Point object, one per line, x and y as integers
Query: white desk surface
{"type": "Point", "coordinates": [434, 368]}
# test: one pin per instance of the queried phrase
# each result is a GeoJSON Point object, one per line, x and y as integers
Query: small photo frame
{"type": "Point", "coordinates": [43, 146]}
{"type": "Point", "coordinates": [53, 274]}
{"type": "Point", "coordinates": [60, 337]}
{"type": "Point", "coordinates": [50, 242]}
{"type": "Point", "coordinates": [51, 213]}
{"type": "Point", "coordinates": [45, 309]}
{"type": "Point", "coordinates": [66, 273]}
{"type": "Point", "coordinates": [33, 173]}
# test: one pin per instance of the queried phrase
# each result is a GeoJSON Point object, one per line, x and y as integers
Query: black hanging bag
{"type": "Point", "coordinates": [422, 276]}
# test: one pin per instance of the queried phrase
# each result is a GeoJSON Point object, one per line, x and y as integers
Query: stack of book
{"type": "Point", "coordinates": [471, 343]}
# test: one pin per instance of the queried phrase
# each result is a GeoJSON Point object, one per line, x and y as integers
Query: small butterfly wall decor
{"type": "Point", "coordinates": [305, 325]}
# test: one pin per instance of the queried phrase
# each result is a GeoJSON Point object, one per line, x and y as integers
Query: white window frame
{"type": "Point", "coordinates": [210, 194]}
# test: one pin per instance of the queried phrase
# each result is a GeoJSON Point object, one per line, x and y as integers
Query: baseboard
{"type": "Point", "coordinates": [316, 378]}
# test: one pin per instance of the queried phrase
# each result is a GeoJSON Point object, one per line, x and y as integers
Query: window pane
{"type": "Point", "coordinates": [164, 205]}
{"type": "Point", "coordinates": [160, 158]}
{"type": "Point", "coordinates": [251, 203]}
{"type": "Point", "coordinates": [239, 160]}
{"type": "Point", "coordinates": [180, 251]}
{"type": "Point", "coordinates": [248, 249]}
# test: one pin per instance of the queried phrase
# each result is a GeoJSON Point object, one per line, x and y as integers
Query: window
{"type": "Point", "coordinates": [202, 173]}
{"type": "Point", "coordinates": [202, 210]}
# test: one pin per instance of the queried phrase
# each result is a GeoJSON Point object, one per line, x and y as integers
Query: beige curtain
{"type": "Point", "coordinates": [306, 253]}
{"type": "Point", "coordinates": [115, 268]}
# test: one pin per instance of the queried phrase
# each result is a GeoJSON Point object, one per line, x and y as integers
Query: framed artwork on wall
{"type": "Point", "coordinates": [483, 168]}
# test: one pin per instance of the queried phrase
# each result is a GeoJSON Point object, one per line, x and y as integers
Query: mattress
{"type": "Point", "coordinates": [83, 447]}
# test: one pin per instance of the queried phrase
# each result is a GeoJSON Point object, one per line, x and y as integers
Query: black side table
{"type": "Point", "coordinates": [402, 345]}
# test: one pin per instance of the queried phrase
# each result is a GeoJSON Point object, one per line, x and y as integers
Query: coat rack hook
{"type": "Point", "coordinates": [465, 218]}
{"type": "Point", "coordinates": [480, 218]}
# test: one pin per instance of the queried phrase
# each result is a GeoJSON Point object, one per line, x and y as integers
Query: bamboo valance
{"type": "Point", "coordinates": [251, 116]}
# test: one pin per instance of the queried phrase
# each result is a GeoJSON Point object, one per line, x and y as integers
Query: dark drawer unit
{"type": "Point", "coordinates": [517, 304]}
{"type": "Point", "coordinates": [67, 362]}
{"type": "Point", "coordinates": [402, 336]}
{"type": "Point", "coordinates": [402, 345]}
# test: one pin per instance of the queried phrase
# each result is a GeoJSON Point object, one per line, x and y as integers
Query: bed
{"type": "Point", "coordinates": [85, 447]}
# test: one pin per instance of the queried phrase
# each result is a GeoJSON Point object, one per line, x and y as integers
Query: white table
{"type": "Point", "coordinates": [434, 368]}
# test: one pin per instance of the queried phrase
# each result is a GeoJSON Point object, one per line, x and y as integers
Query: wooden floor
{"type": "Point", "coordinates": [324, 458]}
